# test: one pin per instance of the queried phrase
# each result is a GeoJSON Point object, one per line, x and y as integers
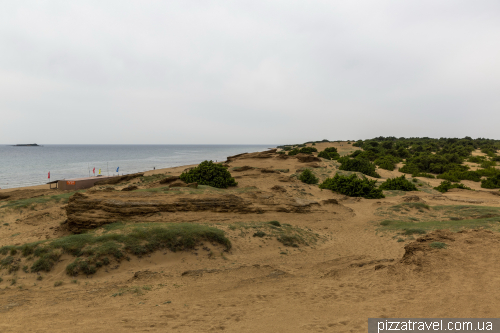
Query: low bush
{"type": "Point", "coordinates": [359, 165]}
{"type": "Point", "coordinates": [488, 172]}
{"type": "Point", "coordinates": [209, 173]}
{"type": "Point", "coordinates": [423, 174]}
{"type": "Point", "coordinates": [492, 182]}
{"type": "Point", "coordinates": [329, 153]}
{"type": "Point", "coordinates": [308, 177]}
{"type": "Point", "coordinates": [294, 151]}
{"type": "Point", "coordinates": [447, 185]}
{"type": "Point", "coordinates": [399, 183]}
{"type": "Point", "coordinates": [330, 150]}
{"type": "Point", "coordinates": [353, 186]}
{"type": "Point", "coordinates": [386, 162]}
{"type": "Point", "coordinates": [476, 159]}
{"type": "Point", "coordinates": [456, 176]}
{"type": "Point", "coordinates": [307, 150]}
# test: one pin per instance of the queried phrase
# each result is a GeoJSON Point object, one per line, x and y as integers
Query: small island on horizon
{"type": "Point", "coordinates": [27, 145]}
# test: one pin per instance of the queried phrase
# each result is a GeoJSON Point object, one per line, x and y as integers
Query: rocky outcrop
{"type": "Point", "coordinates": [169, 180]}
{"type": "Point", "coordinates": [87, 212]}
{"type": "Point", "coordinates": [94, 209]}
{"type": "Point", "coordinates": [242, 168]}
{"type": "Point", "coordinates": [119, 179]}
{"type": "Point", "coordinates": [130, 188]}
{"type": "Point", "coordinates": [263, 154]}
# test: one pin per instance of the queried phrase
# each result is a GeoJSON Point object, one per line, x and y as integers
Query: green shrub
{"type": "Point", "coordinates": [476, 159]}
{"type": "Point", "coordinates": [308, 177]}
{"type": "Point", "coordinates": [433, 163]}
{"type": "Point", "coordinates": [353, 186]}
{"type": "Point", "coordinates": [386, 162]}
{"type": "Point", "coordinates": [328, 156]}
{"type": "Point", "coordinates": [209, 173]}
{"type": "Point", "coordinates": [423, 174]}
{"type": "Point", "coordinates": [358, 143]}
{"type": "Point", "coordinates": [488, 164]}
{"type": "Point", "coordinates": [488, 172]}
{"type": "Point", "coordinates": [330, 150]}
{"type": "Point", "coordinates": [329, 153]}
{"type": "Point", "coordinates": [399, 183]}
{"type": "Point", "coordinates": [45, 262]}
{"type": "Point", "coordinates": [307, 150]}
{"type": "Point", "coordinates": [492, 182]}
{"type": "Point", "coordinates": [359, 165]}
{"type": "Point", "coordinates": [447, 185]}
{"type": "Point", "coordinates": [294, 151]}
{"type": "Point", "coordinates": [456, 176]}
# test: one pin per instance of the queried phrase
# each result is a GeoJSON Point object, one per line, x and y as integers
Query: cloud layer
{"type": "Point", "coordinates": [247, 71]}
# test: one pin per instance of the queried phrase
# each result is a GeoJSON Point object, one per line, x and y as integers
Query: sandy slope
{"type": "Point", "coordinates": [352, 273]}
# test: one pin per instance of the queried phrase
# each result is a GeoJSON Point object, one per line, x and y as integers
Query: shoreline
{"type": "Point", "coordinates": [146, 173]}
{"type": "Point", "coordinates": [33, 185]}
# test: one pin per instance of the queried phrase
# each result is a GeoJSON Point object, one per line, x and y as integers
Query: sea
{"type": "Point", "coordinates": [28, 166]}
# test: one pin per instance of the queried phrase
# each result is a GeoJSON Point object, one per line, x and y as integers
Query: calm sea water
{"type": "Point", "coordinates": [26, 166]}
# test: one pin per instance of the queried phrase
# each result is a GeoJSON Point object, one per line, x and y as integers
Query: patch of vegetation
{"type": "Point", "coordinates": [492, 182]}
{"type": "Point", "coordinates": [423, 174]}
{"type": "Point", "coordinates": [359, 165]}
{"type": "Point", "coordinates": [293, 152]}
{"type": "Point", "coordinates": [453, 217]}
{"type": "Point", "coordinates": [292, 241]}
{"type": "Point", "coordinates": [93, 251]}
{"type": "Point", "coordinates": [58, 283]}
{"type": "Point", "coordinates": [152, 178]}
{"type": "Point", "coordinates": [259, 234]}
{"type": "Point", "coordinates": [31, 203]}
{"type": "Point", "coordinates": [284, 233]}
{"type": "Point", "coordinates": [308, 150]}
{"type": "Point", "coordinates": [353, 186]}
{"type": "Point", "coordinates": [209, 173]}
{"type": "Point", "coordinates": [413, 231]}
{"type": "Point", "coordinates": [329, 153]}
{"type": "Point", "coordinates": [410, 205]}
{"type": "Point", "coordinates": [446, 185]}
{"type": "Point", "coordinates": [456, 176]}
{"type": "Point", "coordinates": [387, 162]}
{"type": "Point", "coordinates": [399, 183]}
{"type": "Point", "coordinates": [438, 245]}
{"type": "Point", "coordinates": [308, 177]}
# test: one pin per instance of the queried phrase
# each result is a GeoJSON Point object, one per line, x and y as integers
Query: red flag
{"type": "Point", "coordinates": [94, 170]}
{"type": "Point", "coordinates": [49, 174]}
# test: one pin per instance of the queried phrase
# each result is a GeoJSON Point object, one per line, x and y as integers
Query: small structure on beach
{"type": "Point", "coordinates": [78, 183]}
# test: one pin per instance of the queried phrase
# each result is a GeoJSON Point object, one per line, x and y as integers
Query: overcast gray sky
{"type": "Point", "coordinates": [161, 72]}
